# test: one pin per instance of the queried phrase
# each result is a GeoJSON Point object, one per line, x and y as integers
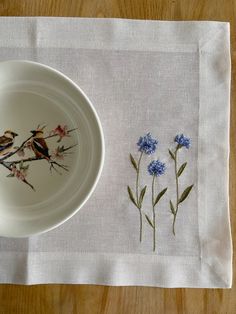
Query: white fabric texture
{"type": "Point", "coordinates": [166, 78]}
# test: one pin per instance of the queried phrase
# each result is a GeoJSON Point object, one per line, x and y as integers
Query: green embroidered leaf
{"type": "Point", "coordinates": [185, 193]}
{"type": "Point", "coordinates": [172, 208]}
{"type": "Point", "coordinates": [131, 196]}
{"type": "Point", "coordinates": [133, 162]}
{"type": "Point", "coordinates": [181, 169]}
{"type": "Point", "coordinates": [10, 175]}
{"type": "Point", "coordinates": [149, 221]}
{"type": "Point", "coordinates": [171, 154]}
{"type": "Point", "coordinates": [21, 164]}
{"type": "Point", "coordinates": [142, 193]}
{"type": "Point", "coordinates": [159, 196]}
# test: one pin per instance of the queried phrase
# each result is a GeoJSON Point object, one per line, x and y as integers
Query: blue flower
{"type": "Point", "coordinates": [182, 140]}
{"type": "Point", "coordinates": [156, 168]}
{"type": "Point", "coordinates": [147, 144]}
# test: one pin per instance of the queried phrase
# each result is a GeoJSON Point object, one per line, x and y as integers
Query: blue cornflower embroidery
{"type": "Point", "coordinates": [156, 168]}
{"type": "Point", "coordinates": [147, 144]}
{"type": "Point", "coordinates": [182, 140]}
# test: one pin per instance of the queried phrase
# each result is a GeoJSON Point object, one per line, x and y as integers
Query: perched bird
{"type": "Point", "coordinates": [7, 141]}
{"type": "Point", "coordinates": [39, 144]}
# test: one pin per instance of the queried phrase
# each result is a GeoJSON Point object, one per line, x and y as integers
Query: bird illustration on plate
{"type": "Point", "coordinates": [7, 142]}
{"type": "Point", "coordinates": [38, 144]}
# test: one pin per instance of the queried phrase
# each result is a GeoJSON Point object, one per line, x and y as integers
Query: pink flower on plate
{"type": "Point", "coordinates": [13, 169]}
{"type": "Point", "coordinates": [20, 175]}
{"type": "Point", "coordinates": [58, 153]}
{"type": "Point", "coordinates": [61, 131]}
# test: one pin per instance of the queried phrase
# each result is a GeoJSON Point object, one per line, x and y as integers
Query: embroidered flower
{"type": "Point", "coordinates": [182, 140]}
{"type": "Point", "coordinates": [147, 144]}
{"type": "Point", "coordinates": [156, 168]}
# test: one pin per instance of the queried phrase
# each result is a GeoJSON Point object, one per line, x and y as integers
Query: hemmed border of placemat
{"type": "Point", "coordinates": [107, 269]}
{"type": "Point", "coordinates": [213, 162]}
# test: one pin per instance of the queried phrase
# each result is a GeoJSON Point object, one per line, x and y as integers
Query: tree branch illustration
{"type": "Point", "coordinates": [23, 179]}
{"type": "Point", "coordinates": [16, 150]}
{"type": "Point", "coordinates": [52, 162]}
{"type": "Point", "coordinates": [22, 146]}
{"type": "Point", "coordinates": [55, 134]}
{"type": "Point", "coordinates": [59, 153]}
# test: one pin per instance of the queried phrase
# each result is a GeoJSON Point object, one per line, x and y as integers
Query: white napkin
{"type": "Point", "coordinates": [164, 78]}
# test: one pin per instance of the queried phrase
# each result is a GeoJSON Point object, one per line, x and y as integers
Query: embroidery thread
{"type": "Point", "coordinates": [182, 141]}
{"type": "Point", "coordinates": [146, 145]}
{"type": "Point", "coordinates": [156, 168]}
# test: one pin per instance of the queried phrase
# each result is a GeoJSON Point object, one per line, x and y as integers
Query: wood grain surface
{"type": "Point", "coordinates": [50, 299]}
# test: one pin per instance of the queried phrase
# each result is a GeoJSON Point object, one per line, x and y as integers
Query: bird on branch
{"type": "Point", "coordinates": [6, 142]}
{"type": "Point", "coordinates": [39, 144]}
{"type": "Point", "coordinates": [40, 149]}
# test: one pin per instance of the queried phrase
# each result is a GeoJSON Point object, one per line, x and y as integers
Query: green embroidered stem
{"type": "Point", "coordinates": [182, 141]}
{"type": "Point", "coordinates": [138, 196]}
{"type": "Point", "coordinates": [153, 214]}
{"type": "Point", "coordinates": [185, 193]}
{"type": "Point", "coordinates": [137, 177]}
{"type": "Point", "coordinates": [177, 190]}
{"type": "Point", "coordinates": [141, 225]}
{"type": "Point", "coordinates": [137, 199]}
{"type": "Point", "coordinates": [173, 224]}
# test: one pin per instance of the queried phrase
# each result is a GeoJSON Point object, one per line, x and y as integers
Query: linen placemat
{"type": "Point", "coordinates": [160, 214]}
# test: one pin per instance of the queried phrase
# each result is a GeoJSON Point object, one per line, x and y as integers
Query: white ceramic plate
{"type": "Point", "coordinates": [62, 157]}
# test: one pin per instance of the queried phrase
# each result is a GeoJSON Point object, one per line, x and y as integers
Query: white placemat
{"type": "Point", "coordinates": [161, 90]}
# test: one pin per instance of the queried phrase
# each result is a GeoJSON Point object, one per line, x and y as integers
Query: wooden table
{"type": "Point", "coordinates": [87, 299]}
